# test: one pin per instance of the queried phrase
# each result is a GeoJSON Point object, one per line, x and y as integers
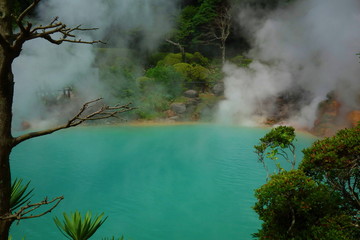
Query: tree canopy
{"type": "Point", "coordinates": [320, 200]}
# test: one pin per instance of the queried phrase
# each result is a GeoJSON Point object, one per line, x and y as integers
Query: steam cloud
{"type": "Point", "coordinates": [310, 48]}
{"type": "Point", "coordinates": [44, 68]}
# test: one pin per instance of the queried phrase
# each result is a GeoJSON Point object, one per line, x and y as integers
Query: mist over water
{"type": "Point", "coordinates": [308, 48]}
{"type": "Point", "coordinates": [44, 69]}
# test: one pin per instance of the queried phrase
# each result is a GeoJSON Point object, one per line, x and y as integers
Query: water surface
{"type": "Point", "coordinates": [187, 182]}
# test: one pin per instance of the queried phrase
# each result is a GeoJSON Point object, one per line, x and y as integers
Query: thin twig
{"type": "Point", "coordinates": [20, 215]}
{"type": "Point", "coordinates": [103, 112]}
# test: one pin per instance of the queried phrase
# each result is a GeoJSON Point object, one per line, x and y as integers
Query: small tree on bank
{"type": "Point", "coordinates": [277, 143]}
{"type": "Point", "coordinates": [11, 44]}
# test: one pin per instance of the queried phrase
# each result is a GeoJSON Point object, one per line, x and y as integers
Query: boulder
{"type": "Point", "coordinates": [191, 94]}
{"type": "Point", "coordinates": [178, 108]}
{"type": "Point", "coordinates": [219, 89]}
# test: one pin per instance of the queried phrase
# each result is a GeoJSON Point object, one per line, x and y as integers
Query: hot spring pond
{"type": "Point", "coordinates": [185, 182]}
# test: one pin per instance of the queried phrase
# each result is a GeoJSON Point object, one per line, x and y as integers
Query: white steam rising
{"type": "Point", "coordinates": [311, 47]}
{"type": "Point", "coordinates": [44, 68]}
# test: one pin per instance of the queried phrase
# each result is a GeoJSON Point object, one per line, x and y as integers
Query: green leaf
{"type": "Point", "coordinates": [77, 228]}
{"type": "Point", "coordinates": [19, 194]}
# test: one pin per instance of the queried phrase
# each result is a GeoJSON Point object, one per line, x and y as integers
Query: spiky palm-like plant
{"type": "Point", "coordinates": [19, 193]}
{"type": "Point", "coordinates": [113, 238]}
{"type": "Point", "coordinates": [75, 227]}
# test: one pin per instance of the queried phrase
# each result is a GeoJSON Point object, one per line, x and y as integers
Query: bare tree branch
{"type": "Point", "coordinates": [47, 32]}
{"type": "Point", "coordinates": [181, 48]}
{"type": "Point", "coordinates": [26, 12]}
{"type": "Point", "coordinates": [103, 112]}
{"type": "Point", "coordinates": [25, 210]}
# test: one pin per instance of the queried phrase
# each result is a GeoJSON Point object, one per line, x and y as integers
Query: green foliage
{"type": "Point", "coordinates": [193, 19]}
{"type": "Point", "coordinates": [292, 206]}
{"type": "Point", "coordinates": [194, 74]}
{"type": "Point", "coordinates": [198, 58]}
{"type": "Point", "coordinates": [336, 162]}
{"type": "Point", "coordinates": [184, 69]}
{"type": "Point", "coordinates": [20, 193]}
{"type": "Point", "coordinates": [318, 201]}
{"type": "Point", "coordinates": [121, 81]}
{"type": "Point", "coordinates": [113, 238]}
{"type": "Point", "coordinates": [274, 144]}
{"type": "Point", "coordinates": [153, 59]}
{"type": "Point", "coordinates": [186, 28]}
{"type": "Point", "coordinates": [206, 12]}
{"type": "Point", "coordinates": [77, 228]}
{"type": "Point", "coordinates": [20, 5]}
{"type": "Point", "coordinates": [171, 59]}
{"type": "Point", "coordinates": [169, 78]}
{"type": "Point", "coordinates": [175, 58]}
{"type": "Point", "coordinates": [152, 105]}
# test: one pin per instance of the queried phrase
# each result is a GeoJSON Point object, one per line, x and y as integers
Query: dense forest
{"type": "Point", "coordinates": [190, 56]}
{"type": "Point", "coordinates": [174, 65]}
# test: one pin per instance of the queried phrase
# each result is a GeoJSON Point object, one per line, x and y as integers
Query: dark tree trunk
{"type": "Point", "coordinates": [6, 99]}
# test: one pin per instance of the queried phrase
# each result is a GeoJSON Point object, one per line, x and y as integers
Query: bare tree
{"type": "Point", "coordinates": [11, 44]}
{"type": "Point", "coordinates": [181, 48]}
{"type": "Point", "coordinates": [218, 30]}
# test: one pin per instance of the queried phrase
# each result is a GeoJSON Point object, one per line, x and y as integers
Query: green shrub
{"type": "Point", "coordinates": [200, 59]}
{"type": "Point", "coordinates": [335, 161]}
{"type": "Point", "coordinates": [167, 77]}
{"type": "Point", "coordinates": [196, 76]}
{"type": "Point", "coordinates": [175, 58]}
{"type": "Point", "coordinates": [290, 204]}
{"type": "Point", "coordinates": [171, 59]}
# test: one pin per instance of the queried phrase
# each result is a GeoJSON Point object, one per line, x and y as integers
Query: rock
{"type": "Point", "coordinates": [174, 118]}
{"type": "Point", "coordinates": [191, 93]}
{"type": "Point", "coordinates": [169, 113]}
{"type": "Point", "coordinates": [192, 102]}
{"type": "Point", "coordinates": [178, 108]}
{"type": "Point", "coordinates": [219, 89]}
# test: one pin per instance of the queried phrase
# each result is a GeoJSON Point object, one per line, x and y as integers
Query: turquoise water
{"type": "Point", "coordinates": [188, 182]}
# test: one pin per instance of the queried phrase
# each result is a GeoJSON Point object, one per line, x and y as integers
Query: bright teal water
{"type": "Point", "coordinates": [189, 182]}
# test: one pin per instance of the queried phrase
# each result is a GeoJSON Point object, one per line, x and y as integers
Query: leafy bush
{"type": "Point", "coordinates": [290, 204]}
{"type": "Point", "coordinates": [153, 104]}
{"type": "Point", "coordinates": [318, 201]}
{"type": "Point", "coordinates": [172, 58]}
{"type": "Point", "coordinates": [336, 162]}
{"type": "Point", "coordinates": [121, 81]}
{"type": "Point", "coordinates": [175, 58]}
{"type": "Point", "coordinates": [194, 74]}
{"type": "Point", "coordinates": [167, 77]}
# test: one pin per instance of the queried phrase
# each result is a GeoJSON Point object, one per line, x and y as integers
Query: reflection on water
{"type": "Point", "coordinates": [155, 183]}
